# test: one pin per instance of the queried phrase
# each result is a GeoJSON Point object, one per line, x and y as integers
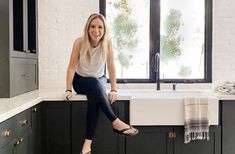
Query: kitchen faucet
{"type": "Point", "coordinates": [156, 69]}
{"type": "Point", "coordinates": [174, 86]}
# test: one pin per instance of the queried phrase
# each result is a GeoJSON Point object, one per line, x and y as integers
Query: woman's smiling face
{"type": "Point", "coordinates": [96, 31]}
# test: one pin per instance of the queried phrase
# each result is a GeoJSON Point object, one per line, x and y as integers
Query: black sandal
{"type": "Point", "coordinates": [121, 132]}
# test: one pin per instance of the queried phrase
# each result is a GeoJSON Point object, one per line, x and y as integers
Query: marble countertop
{"type": "Point", "coordinates": [12, 106]}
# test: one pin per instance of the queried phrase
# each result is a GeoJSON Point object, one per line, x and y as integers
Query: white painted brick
{"type": "Point", "coordinates": [224, 40]}
{"type": "Point", "coordinates": [60, 22]}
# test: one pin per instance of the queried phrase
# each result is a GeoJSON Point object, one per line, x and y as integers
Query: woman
{"type": "Point", "coordinates": [85, 72]}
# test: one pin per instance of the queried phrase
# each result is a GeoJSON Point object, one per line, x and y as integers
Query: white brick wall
{"type": "Point", "coordinates": [61, 21]}
{"type": "Point", "coordinates": [224, 40]}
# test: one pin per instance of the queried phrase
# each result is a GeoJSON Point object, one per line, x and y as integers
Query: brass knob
{"type": "Point", "coordinates": [34, 109]}
{"type": "Point", "coordinates": [7, 132]}
{"type": "Point", "coordinates": [170, 135]}
{"type": "Point", "coordinates": [24, 122]}
{"type": "Point", "coordinates": [17, 142]}
{"type": "Point", "coordinates": [21, 140]}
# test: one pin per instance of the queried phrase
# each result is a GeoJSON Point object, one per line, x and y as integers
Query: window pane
{"type": "Point", "coordinates": [128, 21]}
{"type": "Point", "coordinates": [182, 39]}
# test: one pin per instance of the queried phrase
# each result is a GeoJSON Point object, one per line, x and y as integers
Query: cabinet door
{"type": "Point", "coordinates": [199, 146]}
{"type": "Point", "coordinates": [7, 149]}
{"type": "Point", "coordinates": [56, 128]}
{"type": "Point", "coordinates": [105, 141]}
{"type": "Point", "coordinates": [35, 140]}
{"type": "Point", "coordinates": [24, 26]}
{"type": "Point", "coordinates": [78, 127]}
{"type": "Point", "coordinates": [23, 75]}
{"type": "Point", "coordinates": [18, 25]}
{"type": "Point", "coordinates": [228, 127]}
{"type": "Point", "coordinates": [21, 144]}
{"type": "Point", "coordinates": [31, 25]}
{"type": "Point", "coordinates": [150, 140]}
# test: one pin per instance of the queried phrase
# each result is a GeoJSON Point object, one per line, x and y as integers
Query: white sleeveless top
{"type": "Point", "coordinates": [97, 66]}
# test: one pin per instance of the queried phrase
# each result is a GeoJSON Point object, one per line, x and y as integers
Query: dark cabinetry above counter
{"type": "Point", "coordinates": [18, 47]}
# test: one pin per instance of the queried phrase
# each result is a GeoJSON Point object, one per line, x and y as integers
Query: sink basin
{"type": "Point", "coordinates": [169, 94]}
{"type": "Point", "coordinates": [166, 107]}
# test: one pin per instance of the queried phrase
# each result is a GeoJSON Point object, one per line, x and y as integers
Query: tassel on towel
{"type": "Point", "coordinates": [196, 122]}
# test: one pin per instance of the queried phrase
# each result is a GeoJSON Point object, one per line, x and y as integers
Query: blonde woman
{"type": "Point", "coordinates": [85, 72]}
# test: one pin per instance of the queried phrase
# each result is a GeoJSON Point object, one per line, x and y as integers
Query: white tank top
{"type": "Point", "coordinates": [97, 66]}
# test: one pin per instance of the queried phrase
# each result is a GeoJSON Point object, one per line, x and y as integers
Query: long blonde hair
{"type": "Point", "coordinates": [86, 45]}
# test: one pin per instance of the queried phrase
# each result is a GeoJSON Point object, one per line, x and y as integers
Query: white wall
{"type": "Point", "coordinates": [224, 40]}
{"type": "Point", "coordinates": [61, 21]}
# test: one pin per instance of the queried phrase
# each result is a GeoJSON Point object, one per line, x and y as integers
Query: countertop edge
{"type": "Point", "coordinates": [17, 104]}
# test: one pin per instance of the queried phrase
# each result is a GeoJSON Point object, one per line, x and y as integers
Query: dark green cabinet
{"type": "Point", "coordinates": [18, 56]}
{"type": "Point", "coordinates": [228, 126]}
{"type": "Point", "coordinates": [8, 149]}
{"type": "Point", "coordinates": [56, 128]}
{"type": "Point", "coordinates": [170, 140]}
{"type": "Point", "coordinates": [15, 134]}
{"type": "Point", "coordinates": [59, 127]}
{"type": "Point", "coordinates": [105, 141]}
{"type": "Point", "coordinates": [64, 125]}
{"type": "Point", "coordinates": [35, 140]}
{"type": "Point", "coordinates": [21, 144]}
{"type": "Point", "coordinates": [213, 146]}
{"type": "Point", "coordinates": [150, 140]}
{"type": "Point", "coordinates": [24, 26]}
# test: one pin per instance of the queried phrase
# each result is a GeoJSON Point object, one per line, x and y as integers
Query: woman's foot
{"type": "Point", "coordinates": [122, 128]}
{"type": "Point", "coordinates": [86, 149]}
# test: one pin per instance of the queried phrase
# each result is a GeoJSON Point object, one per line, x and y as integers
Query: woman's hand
{"type": "Point", "coordinates": [113, 96]}
{"type": "Point", "coordinates": [67, 95]}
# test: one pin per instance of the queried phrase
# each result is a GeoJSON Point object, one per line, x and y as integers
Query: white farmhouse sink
{"type": "Point", "coordinates": [166, 107]}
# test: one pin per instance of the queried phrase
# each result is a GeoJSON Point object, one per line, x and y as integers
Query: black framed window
{"type": "Point", "coordinates": [174, 35]}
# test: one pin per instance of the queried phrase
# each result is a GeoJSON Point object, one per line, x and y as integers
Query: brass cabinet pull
{"type": "Point", "coordinates": [7, 132]}
{"type": "Point", "coordinates": [171, 135]}
{"type": "Point", "coordinates": [17, 142]}
{"type": "Point", "coordinates": [24, 122]}
{"type": "Point", "coordinates": [21, 140]}
{"type": "Point", "coordinates": [34, 109]}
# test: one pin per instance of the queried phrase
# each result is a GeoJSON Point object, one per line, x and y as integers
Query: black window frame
{"type": "Point", "coordinates": [155, 45]}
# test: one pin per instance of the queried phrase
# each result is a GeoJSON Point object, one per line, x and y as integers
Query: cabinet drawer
{"type": "Point", "coordinates": [23, 75]}
{"type": "Point", "coordinates": [22, 122]}
{"type": "Point", "coordinates": [7, 132]}
{"type": "Point", "coordinates": [11, 129]}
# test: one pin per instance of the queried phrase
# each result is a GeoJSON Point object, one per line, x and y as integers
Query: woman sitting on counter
{"type": "Point", "coordinates": [85, 72]}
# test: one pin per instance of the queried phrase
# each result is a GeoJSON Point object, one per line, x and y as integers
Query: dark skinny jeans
{"type": "Point", "coordinates": [96, 98]}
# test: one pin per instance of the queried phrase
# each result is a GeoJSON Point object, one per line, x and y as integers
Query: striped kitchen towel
{"type": "Point", "coordinates": [196, 122]}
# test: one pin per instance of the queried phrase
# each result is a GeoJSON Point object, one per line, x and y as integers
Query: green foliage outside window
{"type": "Point", "coordinates": [124, 34]}
{"type": "Point", "coordinates": [184, 71]}
{"type": "Point", "coordinates": [170, 42]}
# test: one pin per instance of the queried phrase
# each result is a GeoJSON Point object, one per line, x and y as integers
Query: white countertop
{"type": "Point", "coordinates": [12, 106]}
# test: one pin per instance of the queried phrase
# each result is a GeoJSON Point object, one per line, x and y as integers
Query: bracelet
{"type": "Point", "coordinates": [68, 90]}
{"type": "Point", "coordinates": [113, 90]}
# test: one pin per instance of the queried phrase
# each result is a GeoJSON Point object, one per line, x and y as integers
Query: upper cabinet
{"type": "Point", "coordinates": [23, 26]}
{"type": "Point", "coordinates": [18, 47]}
